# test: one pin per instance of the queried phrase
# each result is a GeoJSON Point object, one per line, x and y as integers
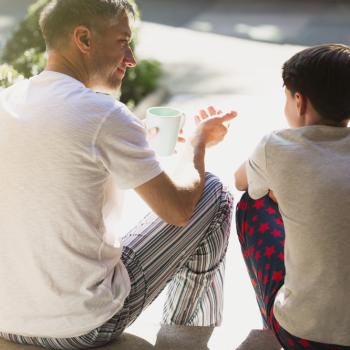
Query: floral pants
{"type": "Point", "coordinates": [261, 235]}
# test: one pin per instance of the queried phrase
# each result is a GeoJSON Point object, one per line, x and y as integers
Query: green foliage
{"type": "Point", "coordinates": [25, 52]}
{"type": "Point", "coordinates": [26, 37]}
{"type": "Point", "coordinates": [8, 75]}
{"type": "Point", "coordinates": [140, 81]}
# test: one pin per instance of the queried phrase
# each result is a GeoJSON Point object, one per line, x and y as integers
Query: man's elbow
{"type": "Point", "coordinates": [179, 216]}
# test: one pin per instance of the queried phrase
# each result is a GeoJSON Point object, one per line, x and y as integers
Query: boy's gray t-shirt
{"type": "Point", "coordinates": [308, 169]}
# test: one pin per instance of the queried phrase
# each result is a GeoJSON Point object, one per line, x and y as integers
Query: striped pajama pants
{"type": "Point", "coordinates": [190, 260]}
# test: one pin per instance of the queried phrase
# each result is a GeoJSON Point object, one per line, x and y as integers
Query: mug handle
{"type": "Point", "coordinates": [182, 121]}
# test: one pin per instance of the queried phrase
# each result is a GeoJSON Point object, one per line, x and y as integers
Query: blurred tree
{"type": "Point", "coordinates": [8, 75]}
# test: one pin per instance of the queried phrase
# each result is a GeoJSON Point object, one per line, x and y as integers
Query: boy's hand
{"type": "Point", "coordinates": [272, 196]}
{"type": "Point", "coordinates": [212, 126]}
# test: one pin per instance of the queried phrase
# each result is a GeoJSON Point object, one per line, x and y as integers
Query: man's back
{"type": "Point", "coordinates": [57, 269]}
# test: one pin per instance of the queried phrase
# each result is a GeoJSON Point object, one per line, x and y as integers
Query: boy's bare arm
{"type": "Point", "coordinates": [241, 181]}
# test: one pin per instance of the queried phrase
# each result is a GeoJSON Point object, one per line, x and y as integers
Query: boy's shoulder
{"type": "Point", "coordinates": [304, 137]}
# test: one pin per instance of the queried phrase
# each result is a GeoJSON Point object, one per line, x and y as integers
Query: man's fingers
{"type": "Point", "coordinates": [203, 114]}
{"type": "Point", "coordinates": [152, 132]}
{"type": "Point", "coordinates": [212, 110]}
{"type": "Point", "coordinates": [228, 116]}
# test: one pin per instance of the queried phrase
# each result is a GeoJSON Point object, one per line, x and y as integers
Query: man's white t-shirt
{"type": "Point", "coordinates": [62, 146]}
{"type": "Point", "coordinates": [308, 170]}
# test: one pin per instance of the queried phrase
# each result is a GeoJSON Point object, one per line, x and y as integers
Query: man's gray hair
{"type": "Point", "coordinates": [60, 17]}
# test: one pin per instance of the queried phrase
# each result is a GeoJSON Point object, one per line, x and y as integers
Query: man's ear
{"type": "Point", "coordinates": [82, 38]}
{"type": "Point", "coordinates": [301, 103]}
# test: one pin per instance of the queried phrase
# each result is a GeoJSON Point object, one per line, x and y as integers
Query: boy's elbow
{"type": "Point", "coordinates": [240, 185]}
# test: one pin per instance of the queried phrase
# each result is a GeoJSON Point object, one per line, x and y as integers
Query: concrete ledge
{"type": "Point", "coordinates": [260, 340]}
{"type": "Point", "coordinates": [125, 342]}
{"type": "Point", "coordinates": [168, 338]}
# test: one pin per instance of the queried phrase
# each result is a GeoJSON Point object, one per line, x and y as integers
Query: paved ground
{"type": "Point", "coordinates": [226, 53]}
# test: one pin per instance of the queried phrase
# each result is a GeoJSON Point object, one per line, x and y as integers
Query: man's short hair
{"type": "Point", "coordinates": [322, 73]}
{"type": "Point", "coordinates": [60, 17]}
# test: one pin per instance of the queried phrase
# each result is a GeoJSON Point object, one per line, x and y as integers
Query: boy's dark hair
{"type": "Point", "coordinates": [59, 17]}
{"type": "Point", "coordinates": [322, 73]}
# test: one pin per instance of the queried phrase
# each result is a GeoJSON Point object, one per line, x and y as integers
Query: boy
{"type": "Point", "coordinates": [293, 224]}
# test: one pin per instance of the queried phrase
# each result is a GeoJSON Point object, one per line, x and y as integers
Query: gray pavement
{"type": "Point", "coordinates": [228, 54]}
{"type": "Point", "coordinates": [295, 22]}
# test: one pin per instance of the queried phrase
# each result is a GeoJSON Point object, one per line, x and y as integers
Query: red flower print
{"type": "Point", "coordinates": [259, 204]}
{"type": "Point", "coordinates": [260, 275]}
{"type": "Point", "coordinates": [243, 205]}
{"type": "Point", "coordinates": [271, 211]}
{"type": "Point", "coordinates": [279, 221]}
{"type": "Point", "coordinates": [305, 343]}
{"type": "Point", "coordinates": [269, 251]}
{"type": "Point", "coordinates": [277, 276]}
{"type": "Point", "coordinates": [263, 227]}
{"type": "Point", "coordinates": [290, 342]}
{"type": "Point", "coordinates": [276, 233]}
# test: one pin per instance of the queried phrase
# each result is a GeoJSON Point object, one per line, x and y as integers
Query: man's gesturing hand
{"type": "Point", "coordinates": [212, 126]}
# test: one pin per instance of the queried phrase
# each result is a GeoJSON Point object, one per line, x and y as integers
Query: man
{"type": "Point", "coordinates": [67, 282]}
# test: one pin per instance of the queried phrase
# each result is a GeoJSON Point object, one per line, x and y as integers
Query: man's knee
{"type": "Point", "coordinates": [217, 197]}
{"type": "Point", "coordinates": [220, 213]}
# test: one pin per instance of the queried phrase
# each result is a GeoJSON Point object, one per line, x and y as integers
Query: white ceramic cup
{"type": "Point", "coordinates": [169, 122]}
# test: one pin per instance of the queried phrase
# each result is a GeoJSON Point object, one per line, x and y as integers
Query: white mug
{"type": "Point", "coordinates": [169, 121]}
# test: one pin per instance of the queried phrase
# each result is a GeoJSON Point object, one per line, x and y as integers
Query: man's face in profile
{"type": "Point", "coordinates": [111, 54]}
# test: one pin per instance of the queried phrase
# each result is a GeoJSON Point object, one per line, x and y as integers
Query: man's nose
{"type": "Point", "coordinates": [129, 59]}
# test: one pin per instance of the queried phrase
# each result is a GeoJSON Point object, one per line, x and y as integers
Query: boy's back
{"type": "Point", "coordinates": [308, 169]}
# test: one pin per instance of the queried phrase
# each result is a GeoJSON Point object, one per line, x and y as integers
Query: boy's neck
{"type": "Point", "coordinates": [327, 122]}
{"type": "Point", "coordinates": [311, 117]}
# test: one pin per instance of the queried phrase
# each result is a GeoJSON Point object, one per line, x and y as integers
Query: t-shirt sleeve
{"type": "Point", "coordinates": [122, 147]}
{"type": "Point", "coordinates": [258, 185]}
